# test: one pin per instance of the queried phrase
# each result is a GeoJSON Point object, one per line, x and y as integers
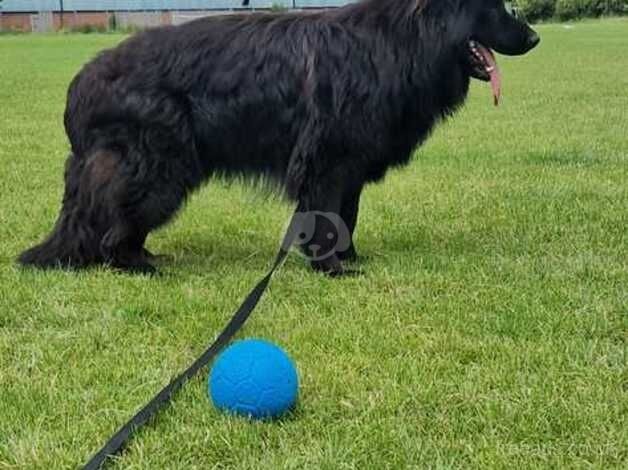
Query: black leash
{"type": "Point", "coordinates": [118, 441]}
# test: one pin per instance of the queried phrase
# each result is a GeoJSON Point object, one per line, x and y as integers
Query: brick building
{"type": "Point", "coordinates": [52, 15]}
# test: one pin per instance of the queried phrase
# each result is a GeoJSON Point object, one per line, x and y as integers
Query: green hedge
{"type": "Point", "coordinates": [535, 10]}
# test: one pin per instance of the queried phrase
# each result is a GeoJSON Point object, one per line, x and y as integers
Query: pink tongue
{"type": "Point", "coordinates": [496, 77]}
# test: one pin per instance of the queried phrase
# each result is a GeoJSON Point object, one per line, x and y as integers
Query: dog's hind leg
{"type": "Point", "coordinates": [128, 193]}
{"type": "Point", "coordinates": [148, 199]}
{"type": "Point", "coordinates": [120, 248]}
{"type": "Point", "coordinates": [103, 199]}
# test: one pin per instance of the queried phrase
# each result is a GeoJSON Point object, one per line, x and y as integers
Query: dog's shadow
{"type": "Point", "coordinates": [202, 252]}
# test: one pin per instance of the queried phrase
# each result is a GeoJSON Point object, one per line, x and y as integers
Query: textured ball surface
{"type": "Point", "coordinates": [254, 378]}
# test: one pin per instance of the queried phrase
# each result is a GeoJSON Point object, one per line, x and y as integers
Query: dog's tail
{"type": "Point", "coordinates": [70, 245]}
{"type": "Point", "coordinates": [74, 242]}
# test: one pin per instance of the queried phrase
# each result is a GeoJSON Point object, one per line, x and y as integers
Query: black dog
{"type": "Point", "coordinates": [322, 103]}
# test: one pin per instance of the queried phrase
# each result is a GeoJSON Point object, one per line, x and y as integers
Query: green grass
{"type": "Point", "coordinates": [489, 328]}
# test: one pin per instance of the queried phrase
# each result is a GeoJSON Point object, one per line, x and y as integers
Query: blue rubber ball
{"type": "Point", "coordinates": [254, 378]}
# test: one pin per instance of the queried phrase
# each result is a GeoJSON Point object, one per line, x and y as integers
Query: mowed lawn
{"type": "Point", "coordinates": [488, 329]}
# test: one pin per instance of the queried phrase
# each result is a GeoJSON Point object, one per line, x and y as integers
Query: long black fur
{"type": "Point", "coordinates": [322, 103]}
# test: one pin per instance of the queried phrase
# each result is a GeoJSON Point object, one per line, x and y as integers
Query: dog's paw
{"type": "Point", "coordinates": [135, 267]}
{"type": "Point", "coordinates": [330, 266]}
{"type": "Point", "coordinates": [348, 255]}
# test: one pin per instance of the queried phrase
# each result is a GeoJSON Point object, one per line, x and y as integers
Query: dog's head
{"type": "Point", "coordinates": [493, 28]}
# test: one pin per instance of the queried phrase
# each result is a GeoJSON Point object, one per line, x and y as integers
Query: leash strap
{"type": "Point", "coordinates": [119, 440]}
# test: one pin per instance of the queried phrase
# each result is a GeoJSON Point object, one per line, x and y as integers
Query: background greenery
{"type": "Point", "coordinates": [535, 10]}
{"type": "Point", "coordinates": [488, 330]}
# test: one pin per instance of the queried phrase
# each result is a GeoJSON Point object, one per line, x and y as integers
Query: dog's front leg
{"type": "Point", "coordinates": [349, 214]}
{"type": "Point", "coordinates": [324, 234]}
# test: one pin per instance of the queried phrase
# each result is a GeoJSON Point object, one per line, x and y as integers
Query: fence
{"type": "Point", "coordinates": [51, 15]}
